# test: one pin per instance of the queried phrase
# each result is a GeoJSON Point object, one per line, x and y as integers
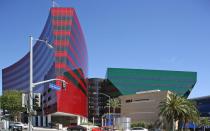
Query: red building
{"type": "Point", "coordinates": [68, 60]}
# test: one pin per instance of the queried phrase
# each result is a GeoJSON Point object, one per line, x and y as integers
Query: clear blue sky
{"type": "Point", "coordinates": [148, 34]}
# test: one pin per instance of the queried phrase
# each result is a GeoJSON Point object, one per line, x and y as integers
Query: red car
{"type": "Point", "coordinates": [96, 129]}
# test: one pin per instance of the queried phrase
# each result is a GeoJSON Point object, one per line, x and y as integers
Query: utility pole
{"type": "Point", "coordinates": [31, 84]}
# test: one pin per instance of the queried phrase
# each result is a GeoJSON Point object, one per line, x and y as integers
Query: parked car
{"type": "Point", "coordinates": [139, 129]}
{"type": "Point", "coordinates": [18, 125]}
{"type": "Point", "coordinates": [96, 129]}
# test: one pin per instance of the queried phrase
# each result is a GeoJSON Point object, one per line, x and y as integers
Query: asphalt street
{"type": "Point", "coordinates": [38, 129]}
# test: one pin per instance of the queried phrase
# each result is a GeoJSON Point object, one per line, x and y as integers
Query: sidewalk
{"type": "Point", "coordinates": [44, 129]}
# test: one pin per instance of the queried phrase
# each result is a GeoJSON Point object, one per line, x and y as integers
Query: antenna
{"type": "Point", "coordinates": [54, 3]}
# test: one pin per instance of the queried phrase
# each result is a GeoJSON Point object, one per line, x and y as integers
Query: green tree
{"type": "Point", "coordinates": [114, 104]}
{"type": "Point", "coordinates": [138, 124]}
{"type": "Point", "coordinates": [192, 113]}
{"type": "Point", "coordinates": [175, 108]}
{"type": "Point", "coordinates": [143, 124]}
{"type": "Point", "coordinates": [204, 121]}
{"type": "Point", "coordinates": [148, 125]}
{"type": "Point", "coordinates": [12, 102]}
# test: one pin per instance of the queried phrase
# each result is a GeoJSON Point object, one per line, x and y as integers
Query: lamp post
{"type": "Point", "coordinates": [109, 100]}
{"type": "Point", "coordinates": [30, 108]}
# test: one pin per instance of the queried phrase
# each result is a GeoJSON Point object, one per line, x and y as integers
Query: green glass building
{"type": "Point", "coordinates": [121, 81]}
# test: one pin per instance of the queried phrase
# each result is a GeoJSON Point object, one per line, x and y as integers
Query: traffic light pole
{"type": "Point", "coordinates": [50, 80]}
{"type": "Point", "coordinates": [31, 84]}
{"type": "Point", "coordinates": [109, 105]}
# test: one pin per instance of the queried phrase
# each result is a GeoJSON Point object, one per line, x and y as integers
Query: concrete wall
{"type": "Point", "coordinates": [142, 107]}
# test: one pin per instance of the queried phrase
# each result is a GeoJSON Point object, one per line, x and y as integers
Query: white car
{"type": "Point", "coordinates": [139, 129]}
{"type": "Point", "coordinates": [19, 124]}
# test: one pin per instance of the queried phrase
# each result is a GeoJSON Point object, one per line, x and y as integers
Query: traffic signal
{"type": "Point", "coordinates": [37, 100]}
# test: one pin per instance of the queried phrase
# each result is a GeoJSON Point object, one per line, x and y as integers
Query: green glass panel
{"type": "Point", "coordinates": [130, 81]}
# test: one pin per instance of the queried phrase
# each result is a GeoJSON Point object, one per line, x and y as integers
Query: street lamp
{"type": "Point", "coordinates": [109, 100]}
{"type": "Point", "coordinates": [30, 108]}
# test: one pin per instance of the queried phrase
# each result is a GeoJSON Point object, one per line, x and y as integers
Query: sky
{"type": "Point", "coordinates": [145, 34]}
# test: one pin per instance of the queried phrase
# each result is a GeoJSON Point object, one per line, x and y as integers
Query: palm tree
{"type": "Point", "coordinates": [176, 108]}
{"type": "Point", "coordinates": [204, 122]}
{"type": "Point", "coordinates": [192, 113]}
{"type": "Point", "coordinates": [114, 104]}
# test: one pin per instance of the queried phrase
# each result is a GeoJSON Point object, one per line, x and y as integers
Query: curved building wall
{"type": "Point", "coordinates": [16, 76]}
{"type": "Point", "coordinates": [71, 61]}
{"type": "Point", "coordinates": [68, 60]}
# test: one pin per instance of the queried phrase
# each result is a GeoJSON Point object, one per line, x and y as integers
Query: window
{"type": "Point", "coordinates": [49, 98]}
{"type": "Point", "coordinates": [128, 101]}
{"type": "Point", "coordinates": [141, 100]}
{"type": "Point", "coordinates": [44, 94]}
{"type": "Point", "coordinates": [49, 90]}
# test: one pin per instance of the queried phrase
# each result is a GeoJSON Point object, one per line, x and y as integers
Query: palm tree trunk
{"type": "Point", "coordinates": [113, 115]}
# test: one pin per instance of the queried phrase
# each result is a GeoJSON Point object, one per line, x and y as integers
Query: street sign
{"type": "Point", "coordinates": [24, 100]}
{"type": "Point", "coordinates": [55, 87]}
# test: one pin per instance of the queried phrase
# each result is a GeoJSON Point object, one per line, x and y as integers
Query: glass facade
{"type": "Point", "coordinates": [68, 60]}
{"type": "Point", "coordinates": [203, 105]}
{"type": "Point", "coordinates": [94, 100]}
{"type": "Point", "coordinates": [129, 81]}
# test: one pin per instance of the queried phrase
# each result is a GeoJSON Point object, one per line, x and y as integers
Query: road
{"type": "Point", "coordinates": [38, 129]}
{"type": "Point", "coordinates": [45, 129]}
